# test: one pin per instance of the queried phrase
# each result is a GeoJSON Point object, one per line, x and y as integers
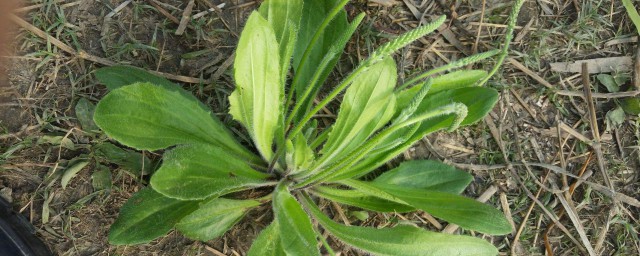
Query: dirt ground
{"type": "Point", "coordinates": [523, 155]}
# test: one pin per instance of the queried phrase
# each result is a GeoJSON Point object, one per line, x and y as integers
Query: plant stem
{"type": "Point", "coordinates": [513, 17]}
{"type": "Point", "coordinates": [456, 64]}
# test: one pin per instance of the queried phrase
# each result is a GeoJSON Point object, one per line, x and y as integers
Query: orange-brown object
{"type": "Point", "coordinates": [6, 7]}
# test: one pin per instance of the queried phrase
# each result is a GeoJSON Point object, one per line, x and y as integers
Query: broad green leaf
{"type": "Point", "coordinates": [257, 100]}
{"type": "Point", "coordinates": [134, 162]}
{"type": "Point", "coordinates": [146, 216]}
{"type": "Point", "coordinates": [359, 199]}
{"type": "Point", "coordinates": [118, 76]}
{"type": "Point", "coordinates": [296, 232]}
{"type": "Point", "coordinates": [213, 218]}
{"type": "Point", "coordinates": [479, 102]}
{"type": "Point", "coordinates": [364, 109]}
{"type": "Point", "coordinates": [609, 82]}
{"type": "Point", "coordinates": [149, 117]}
{"type": "Point", "coordinates": [268, 242]}
{"type": "Point", "coordinates": [427, 174]}
{"type": "Point", "coordinates": [84, 113]}
{"type": "Point", "coordinates": [402, 239]}
{"type": "Point", "coordinates": [115, 77]}
{"type": "Point", "coordinates": [465, 212]}
{"type": "Point", "coordinates": [631, 105]}
{"type": "Point", "coordinates": [190, 172]}
{"type": "Point", "coordinates": [284, 17]}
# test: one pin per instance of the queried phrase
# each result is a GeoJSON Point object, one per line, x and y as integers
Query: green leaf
{"type": "Point", "coordinates": [62, 141]}
{"type": "Point", "coordinates": [268, 242]}
{"type": "Point", "coordinates": [284, 17]}
{"type": "Point", "coordinates": [403, 239]}
{"type": "Point", "coordinates": [101, 179]}
{"type": "Point", "coordinates": [609, 82]}
{"type": "Point", "coordinates": [213, 218]}
{"type": "Point", "coordinates": [313, 14]}
{"type": "Point", "coordinates": [192, 172]}
{"type": "Point", "coordinates": [428, 175]}
{"type": "Point", "coordinates": [363, 109]}
{"type": "Point", "coordinates": [118, 76]}
{"type": "Point", "coordinates": [146, 216]}
{"type": "Point", "coordinates": [149, 117]}
{"type": "Point", "coordinates": [132, 161]}
{"type": "Point", "coordinates": [479, 102]}
{"type": "Point", "coordinates": [614, 118]}
{"type": "Point", "coordinates": [633, 13]}
{"type": "Point", "coordinates": [454, 80]}
{"type": "Point", "coordinates": [75, 166]}
{"type": "Point", "coordinates": [296, 232]}
{"type": "Point", "coordinates": [84, 113]}
{"type": "Point", "coordinates": [465, 212]}
{"type": "Point", "coordinates": [360, 215]}
{"type": "Point", "coordinates": [257, 100]}
{"type": "Point", "coordinates": [630, 105]}
{"type": "Point", "coordinates": [299, 155]}
{"type": "Point", "coordinates": [359, 199]}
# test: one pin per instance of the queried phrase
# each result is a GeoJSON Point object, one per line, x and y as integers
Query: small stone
{"type": "Point", "coordinates": [6, 194]}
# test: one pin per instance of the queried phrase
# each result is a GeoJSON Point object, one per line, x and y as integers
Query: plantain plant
{"type": "Point", "coordinates": [294, 161]}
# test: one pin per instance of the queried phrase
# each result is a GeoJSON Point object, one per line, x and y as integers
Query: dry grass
{"type": "Point", "coordinates": [545, 156]}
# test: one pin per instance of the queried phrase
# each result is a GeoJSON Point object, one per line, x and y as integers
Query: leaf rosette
{"type": "Point", "coordinates": [285, 53]}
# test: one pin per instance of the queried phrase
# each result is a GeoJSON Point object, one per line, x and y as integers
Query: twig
{"type": "Point", "coordinates": [86, 56]}
{"type": "Point", "coordinates": [107, 19]}
{"type": "Point", "coordinates": [602, 235]}
{"type": "Point", "coordinates": [212, 9]}
{"type": "Point", "coordinates": [571, 190]}
{"type": "Point", "coordinates": [504, 202]}
{"type": "Point", "coordinates": [530, 73]}
{"type": "Point", "coordinates": [611, 95]}
{"type": "Point", "coordinates": [35, 6]}
{"type": "Point", "coordinates": [186, 16]}
{"type": "Point", "coordinates": [516, 239]}
{"type": "Point", "coordinates": [636, 69]}
{"type": "Point", "coordinates": [164, 12]}
{"type": "Point", "coordinates": [594, 125]}
{"type": "Point", "coordinates": [575, 219]}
